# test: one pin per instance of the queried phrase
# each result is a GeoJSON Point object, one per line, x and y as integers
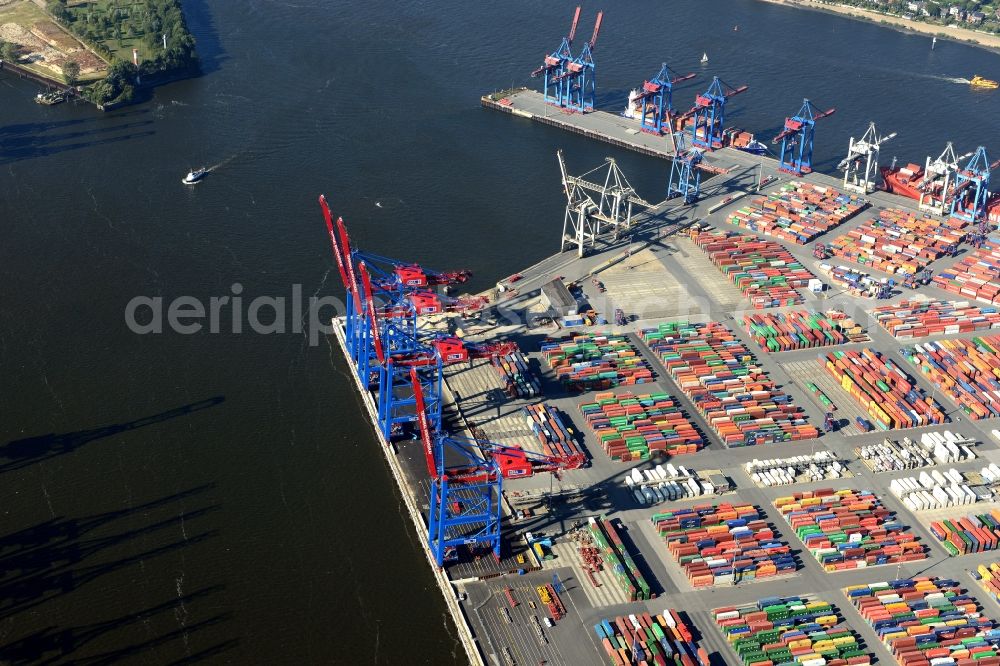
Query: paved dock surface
{"type": "Point", "coordinates": [656, 273]}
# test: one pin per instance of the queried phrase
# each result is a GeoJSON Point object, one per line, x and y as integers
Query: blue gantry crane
{"type": "Point", "coordinates": [656, 100]}
{"type": "Point", "coordinates": [581, 74]}
{"type": "Point", "coordinates": [709, 112]}
{"type": "Point", "coordinates": [466, 483]}
{"type": "Point", "coordinates": [384, 299]}
{"type": "Point", "coordinates": [685, 176]}
{"type": "Point", "coordinates": [797, 139]}
{"type": "Point", "coordinates": [971, 193]}
{"type": "Point", "coordinates": [553, 68]}
{"type": "Point", "coordinates": [407, 285]}
{"type": "Point", "coordinates": [465, 487]}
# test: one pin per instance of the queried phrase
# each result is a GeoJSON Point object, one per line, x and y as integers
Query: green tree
{"type": "Point", "coordinates": [71, 71]}
{"type": "Point", "coordinates": [58, 9]}
{"type": "Point", "coordinates": [9, 51]}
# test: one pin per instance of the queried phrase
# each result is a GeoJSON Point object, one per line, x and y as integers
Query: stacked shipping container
{"type": "Point", "coordinates": [797, 469]}
{"type": "Point", "coordinates": [936, 490]}
{"type": "Point", "coordinates": [848, 529]}
{"type": "Point", "coordinates": [900, 241]}
{"type": "Point", "coordinates": [617, 559]}
{"type": "Point", "coordinates": [989, 579]}
{"type": "Point", "coordinates": [591, 361]}
{"type": "Point", "coordinates": [764, 271]}
{"type": "Point", "coordinates": [723, 543]}
{"type": "Point", "coordinates": [718, 374]}
{"type": "Point", "coordinates": [790, 630]}
{"type": "Point", "coordinates": [968, 371]}
{"type": "Point", "coordinates": [553, 435]}
{"type": "Point", "coordinates": [973, 533]}
{"type": "Point", "coordinates": [930, 449]}
{"type": "Point", "coordinates": [855, 282]}
{"type": "Point", "coordinates": [977, 275]}
{"type": "Point", "coordinates": [630, 427]}
{"type": "Point", "coordinates": [513, 370]}
{"type": "Point", "coordinates": [928, 621]}
{"type": "Point", "coordinates": [644, 639]}
{"type": "Point", "coordinates": [890, 397]}
{"type": "Point", "coordinates": [787, 331]}
{"type": "Point", "coordinates": [798, 212]}
{"type": "Point", "coordinates": [916, 319]}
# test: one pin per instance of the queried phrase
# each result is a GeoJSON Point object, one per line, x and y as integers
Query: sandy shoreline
{"type": "Point", "coordinates": [958, 34]}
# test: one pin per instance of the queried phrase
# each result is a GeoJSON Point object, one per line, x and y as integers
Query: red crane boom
{"type": "Point", "coordinates": [328, 217]}
{"type": "Point", "coordinates": [425, 429]}
{"type": "Point", "coordinates": [370, 303]}
{"type": "Point", "coordinates": [572, 27]}
{"type": "Point", "coordinates": [597, 29]}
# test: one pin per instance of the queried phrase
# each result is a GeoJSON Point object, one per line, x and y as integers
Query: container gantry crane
{"type": "Point", "coordinates": [553, 68]}
{"type": "Point", "coordinates": [393, 279]}
{"type": "Point", "coordinates": [861, 164]}
{"type": "Point", "coordinates": [971, 193]}
{"type": "Point", "coordinates": [656, 100]}
{"type": "Point", "coordinates": [466, 481]}
{"type": "Point", "coordinates": [590, 204]}
{"type": "Point", "coordinates": [429, 303]}
{"type": "Point", "coordinates": [397, 349]}
{"type": "Point", "coordinates": [581, 74]}
{"type": "Point", "coordinates": [939, 178]}
{"type": "Point", "coordinates": [685, 177]}
{"type": "Point", "coordinates": [797, 139]}
{"type": "Point", "coordinates": [709, 112]}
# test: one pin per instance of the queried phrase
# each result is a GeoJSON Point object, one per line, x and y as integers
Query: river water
{"type": "Point", "coordinates": [218, 496]}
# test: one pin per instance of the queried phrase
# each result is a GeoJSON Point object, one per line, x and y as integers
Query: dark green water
{"type": "Point", "coordinates": [219, 497]}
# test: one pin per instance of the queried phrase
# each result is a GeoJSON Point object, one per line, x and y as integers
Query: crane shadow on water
{"type": "Point", "coordinates": [36, 128]}
{"type": "Point", "coordinates": [58, 557]}
{"type": "Point", "coordinates": [39, 144]}
{"type": "Point", "coordinates": [53, 644]}
{"type": "Point", "coordinates": [21, 453]}
{"type": "Point", "coordinates": [49, 559]}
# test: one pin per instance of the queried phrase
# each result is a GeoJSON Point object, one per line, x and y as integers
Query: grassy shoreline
{"type": "Point", "coordinates": [963, 35]}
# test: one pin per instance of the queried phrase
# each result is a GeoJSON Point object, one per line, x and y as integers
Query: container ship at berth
{"type": "Point", "coordinates": [906, 181]}
{"type": "Point", "coordinates": [909, 181]}
{"type": "Point", "coordinates": [542, 432]}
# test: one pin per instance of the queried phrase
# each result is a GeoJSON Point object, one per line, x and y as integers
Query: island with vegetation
{"type": "Point", "coordinates": [104, 49]}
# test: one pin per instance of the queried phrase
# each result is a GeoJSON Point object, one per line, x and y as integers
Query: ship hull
{"type": "Point", "coordinates": [897, 183]}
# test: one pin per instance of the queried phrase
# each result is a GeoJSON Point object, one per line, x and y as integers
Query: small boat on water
{"type": "Point", "coordinates": [50, 98]}
{"type": "Point", "coordinates": [704, 58]}
{"type": "Point", "coordinates": [755, 147]}
{"type": "Point", "coordinates": [980, 82]}
{"type": "Point", "coordinates": [194, 176]}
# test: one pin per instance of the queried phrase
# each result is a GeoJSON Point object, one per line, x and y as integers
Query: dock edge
{"type": "Point", "coordinates": [444, 584]}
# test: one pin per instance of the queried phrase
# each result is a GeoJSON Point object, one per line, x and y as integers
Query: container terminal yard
{"type": "Point", "coordinates": [756, 422]}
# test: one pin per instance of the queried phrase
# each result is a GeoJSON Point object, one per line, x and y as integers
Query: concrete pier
{"type": "Point", "coordinates": [658, 264]}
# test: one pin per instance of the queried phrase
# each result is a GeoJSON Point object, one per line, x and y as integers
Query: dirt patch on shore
{"type": "Point", "coordinates": [47, 46]}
